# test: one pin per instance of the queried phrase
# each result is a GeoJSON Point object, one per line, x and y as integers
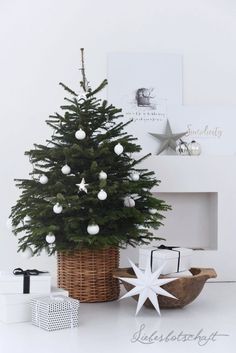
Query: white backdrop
{"type": "Point", "coordinates": [40, 42]}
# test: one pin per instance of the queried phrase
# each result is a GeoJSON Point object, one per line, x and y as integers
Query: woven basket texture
{"type": "Point", "coordinates": [88, 274]}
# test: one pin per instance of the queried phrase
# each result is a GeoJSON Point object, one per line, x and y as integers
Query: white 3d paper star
{"type": "Point", "coordinates": [148, 286]}
{"type": "Point", "coordinates": [82, 186]}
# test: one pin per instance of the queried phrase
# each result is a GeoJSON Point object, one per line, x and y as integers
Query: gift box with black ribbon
{"type": "Point", "coordinates": [16, 308]}
{"type": "Point", "coordinates": [55, 313]}
{"type": "Point", "coordinates": [176, 259]}
{"type": "Point", "coordinates": [25, 281]}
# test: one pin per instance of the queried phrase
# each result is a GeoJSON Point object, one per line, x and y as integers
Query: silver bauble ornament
{"type": "Point", "coordinates": [26, 220]}
{"type": "Point", "coordinates": [27, 254]}
{"type": "Point", "coordinates": [118, 149]}
{"type": "Point", "coordinates": [102, 175]}
{"type": "Point", "coordinates": [50, 238]}
{"type": "Point", "coordinates": [194, 148]}
{"type": "Point", "coordinates": [102, 195]}
{"type": "Point", "coordinates": [65, 169]}
{"type": "Point", "coordinates": [57, 208]}
{"type": "Point", "coordinates": [134, 176]}
{"type": "Point", "coordinates": [80, 134]}
{"type": "Point", "coordinates": [93, 229]}
{"type": "Point", "coordinates": [43, 179]}
{"type": "Point", "coordinates": [152, 210]}
{"type": "Point", "coordinates": [182, 149]}
{"type": "Point", "coordinates": [129, 202]}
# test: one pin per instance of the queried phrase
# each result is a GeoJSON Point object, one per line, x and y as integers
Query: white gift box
{"type": "Point", "coordinates": [14, 284]}
{"type": "Point", "coordinates": [176, 260]}
{"type": "Point", "coordinates": [55, 313]}
{"type": "Point", "coordinates": [16, 307]}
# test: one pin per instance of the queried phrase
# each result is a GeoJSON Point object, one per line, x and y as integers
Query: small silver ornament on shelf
{"type": "Point", "coordinates": [43, 179]}
{"type": "Point", "coordinates": [118, 149]}
{"type": "Point", "coordinates": [57, 208]}
{"type": "Point", "coordinates": [93, 229]}
{"type": "Point", "coordinates": [65, 169]}
{"type": "Point", "coordinates": [80, 134]}
{"type": "Point", "coordinates": [194, 148]}
{"type": "Point", "coordinates": [182, 148]}
{"type": "Point", "coordinates": [102, 195]}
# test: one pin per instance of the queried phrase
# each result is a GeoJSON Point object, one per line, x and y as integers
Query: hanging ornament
{"type": "Point", "coordinates": [82, 186]}
{"type": "Point", "coordinates": [43, 179]}
{"type": "Point", "coordinates": [57, 208]}
{"type": "Point", "coordinates": [93, 229]}
{"type": "Point", "coordinates": [152, 210]}
{"type": "Point", "coordinates": [102, 195]}
{"type": "Point", "coordinates": [147, 285]}
{"type": "Point", "coordinates": [129, 202]}
{"type": "Point", "coordinates": [134, 176]}
{"type": "Point", "coordinates": [27, 254]}
{"type": "Point", "coordinates": [102, 175]}
{"type": "Point", "coordinates": [26, 220]}
{"type": "Point", "coordinates": [80, 134]}
{"type": "Point", "coordinates": [182, 149]}
{"type": "Point", "coordinates": [118, 149]}
{"type": "Point", "coordinates": [194, 148]}
{"type": "Point", "coordinates": [65, 169]}
{"type": "Point", "coordinates": [50, 238]}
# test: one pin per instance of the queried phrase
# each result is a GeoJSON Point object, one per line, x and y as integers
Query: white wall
{"type": "Point", "coordinates": [40, 41]}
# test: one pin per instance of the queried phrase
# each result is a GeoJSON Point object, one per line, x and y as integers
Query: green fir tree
{"type": "Point", "coordinates": [85, 135]}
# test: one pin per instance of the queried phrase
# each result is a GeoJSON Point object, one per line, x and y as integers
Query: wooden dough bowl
{"type": "Point", "coordinates": [186, 289]}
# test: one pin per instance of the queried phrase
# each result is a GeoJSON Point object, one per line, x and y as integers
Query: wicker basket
{"type": "Point", "coordinates": [88, 274]}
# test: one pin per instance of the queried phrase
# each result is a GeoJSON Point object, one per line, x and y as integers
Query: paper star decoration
{"type": "Point", "coordinates": [82, 186]}
{"type": "Point", "coordinates": [148, 286]}
{"type": "Point", "coordinates": [168, 139]}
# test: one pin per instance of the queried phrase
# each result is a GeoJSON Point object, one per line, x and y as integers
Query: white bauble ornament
{"type": "Point", "coordinates": [27, 254]}
{"type": "Point", "coordinates": [43, 179]}
{"type": "Point", "coordinates": [129, 202]}
{"type": "Point", "coordinates": [102, 195]}
{"type": "Point", "coordinates": [27, 220]}
{"type": "Point", "coordinates": [93, 229]}
{"type": "Point", "coordinates": [80, 134]}
{"type": "Point", "coordinates": [102, 175]}
{"type": "Point", "coordinates": [134, 176]}
{"type": "Point", "coordinates": [152, 210]}
{"type": "Point", "coordinates": [57, 208]}
{"type": "Point", "coordinates": [50, 238]}
{"type": "Point", "coordinates": [65, 169]}
{"type": "Point", "coordinates": [194, 148]}
{"type": "Point", "coordinates": [118, 149]}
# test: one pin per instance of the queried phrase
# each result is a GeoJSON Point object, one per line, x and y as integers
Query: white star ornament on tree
{"type": "Point", "coordinates": [82, 186]}
{"type": "Point", "coordinates": [148, 286]}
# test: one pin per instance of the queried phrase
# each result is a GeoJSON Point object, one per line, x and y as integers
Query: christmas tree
{"type": "Point", "coordinates": [86, 190]}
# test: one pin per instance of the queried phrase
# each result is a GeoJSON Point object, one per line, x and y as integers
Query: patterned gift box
{"type": "Point", "coordinates": [55, 313]}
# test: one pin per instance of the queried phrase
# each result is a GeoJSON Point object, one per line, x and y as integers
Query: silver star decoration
{"type": "Point", "coordinates": [82, 186]}
{"type": "Point", "coordinates": [148, 286]}
{"type": "Point", "coordinates": [168, 139]}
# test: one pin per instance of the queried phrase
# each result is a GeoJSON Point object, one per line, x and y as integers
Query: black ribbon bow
{"type": "Point", "coordinates": [173, 248]}
{"type": "Point", "coordinates": [27, 273]}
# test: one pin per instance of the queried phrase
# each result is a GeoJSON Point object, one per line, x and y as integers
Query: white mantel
{"type": "Point", "coordinates": [207, 179]}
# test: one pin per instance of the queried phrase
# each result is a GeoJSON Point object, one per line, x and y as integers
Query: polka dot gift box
{"type": "Point", "coordinates": [55, 313]}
